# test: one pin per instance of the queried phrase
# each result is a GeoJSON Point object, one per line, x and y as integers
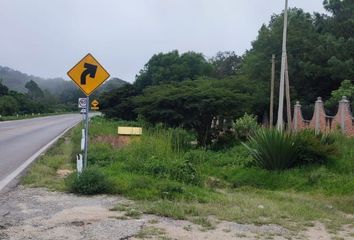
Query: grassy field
{"type": "Point", "coordinates": [168, 177]}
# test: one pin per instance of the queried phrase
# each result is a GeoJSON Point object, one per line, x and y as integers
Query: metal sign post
{"type": "Point", "coordinates": [86, 131]}
{"type": "Point", "coordinates": [88, 74]}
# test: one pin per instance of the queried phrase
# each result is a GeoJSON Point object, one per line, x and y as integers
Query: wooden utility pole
{"type": "Point", "coordinates": [272, 93]}
{"type": "Point", "coordinates": [280, 122]}
{"type": "Point", "coordinates": [287, 93]}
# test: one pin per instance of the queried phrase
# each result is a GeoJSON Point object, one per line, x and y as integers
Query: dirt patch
{"type": "Point", "coordinates": [115, 141]}
{"type": "Point", "coordinates": [318, 231]}
{"type": "Point", "coordinates": [32, 213]}
{"type": "Point", "coordinates": [40, 214]}
{"type": "Point", "coordinates": [166, 228]}
{"type": "Point", "coordinates": [63, 173]}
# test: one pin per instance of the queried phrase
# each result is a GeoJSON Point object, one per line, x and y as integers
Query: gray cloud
{"type": "Point", "coordinates": [47, 37]}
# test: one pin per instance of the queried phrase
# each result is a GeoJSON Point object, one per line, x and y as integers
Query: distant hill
{"type": "Point", "coordinates": [16, 80]}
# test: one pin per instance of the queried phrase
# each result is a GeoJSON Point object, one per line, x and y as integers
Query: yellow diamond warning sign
{"type": "Point", "coordinates": [94, 105]}
{"type": "Point", "coordinates": [88, 74]}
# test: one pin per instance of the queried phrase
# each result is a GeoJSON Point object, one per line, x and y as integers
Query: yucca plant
{"type": "Point", "coordinates": [272, 149]}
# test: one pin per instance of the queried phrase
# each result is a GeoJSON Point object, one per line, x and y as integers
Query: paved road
{"type": "Point", "coordinates": [21, 139]}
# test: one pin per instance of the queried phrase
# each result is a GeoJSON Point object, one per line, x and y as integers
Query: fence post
{"type": "Point", "coordinates": [318, 106]}
{"type": "Point", "coordinates": [297, 111]}
{"type": "Point", "coordinates": [343, 105]}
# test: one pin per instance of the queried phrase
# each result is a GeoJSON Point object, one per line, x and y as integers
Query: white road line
{"type": "Point", "coordinates": [14, 174]}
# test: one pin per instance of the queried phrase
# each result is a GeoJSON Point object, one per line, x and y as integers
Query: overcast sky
{"type": "Point", "coordinates": [47, 37]}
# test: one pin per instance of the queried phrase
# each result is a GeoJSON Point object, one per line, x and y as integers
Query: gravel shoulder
{"type": "Point", "coordinates": [35, 213]}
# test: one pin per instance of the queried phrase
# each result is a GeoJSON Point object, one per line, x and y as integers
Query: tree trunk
{"type": "Point", "coordinates": [204, 132]}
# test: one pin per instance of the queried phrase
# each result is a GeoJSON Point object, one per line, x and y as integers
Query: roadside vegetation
{"type": "Point", "coordinates": [50, 169]}
{"type": "Point", "coordinates": [168, 176]}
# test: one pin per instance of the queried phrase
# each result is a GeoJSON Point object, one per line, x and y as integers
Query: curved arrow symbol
{"type": "Point", "coordinates": [90, 70]}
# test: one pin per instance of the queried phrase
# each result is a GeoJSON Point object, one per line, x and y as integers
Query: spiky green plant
{"type": "Point", "coordinates": [272, 149]}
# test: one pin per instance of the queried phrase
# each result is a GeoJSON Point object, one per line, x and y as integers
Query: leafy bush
{"type": "Point", "coordinates": [246, 126]}
{"type": "Point", "coordinates": [155, 166]}
{"type": "Point", "coordinates": [314, 148]}
{"type": "Point", "coordinates": [273, 150]}
{"type": "Point", "coordinates": [346, 89]}
{"type": "Point", "coordinates": [91, 181]}
{"type": "Point", "coordinates": [186, 173]}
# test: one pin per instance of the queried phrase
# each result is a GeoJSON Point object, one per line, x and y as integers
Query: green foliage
{"type": "Point", "coordinates": [187, 173]}
{"type": "Point", "coordinates": [170, 190]}
{"type": "Point", "coordinates": [230, 189]}
{"type": "Point", "coordinates": [320, 50]}
{"type": "Point", "coordinates": [3, 89]}
{"type": "Point", "coordinates": [138, 169]}
{"type": "Point", "coordinates": [341, 24]}
{"type": "Point", "coordinates": [273, 150]}
{"type": "Point", "coordinates": [172, 67]}
{"type": "Point", "coordinates": [35, 101]}
{"type": "Point", "coordinates": [34, 92]}
{"type": "Point", "coordinates": [223, 140]}
{"type": "Point", "coordinates": [225, 64]}
{"type": "Point", "coordinates": [118, 102]}
{"type": "Point", "coordinates": [90, 181]}
{"type": "Point", "coordinates": [314, 148]}
{"type": "Point", "coordinates": [155, 154]}
{"type": "Point", "coordinates": [181, 140]}
{"type": "Point", "coordinates": [193, 104]}
{"type": "Point", "coordinates": [246, 126]}
{"type": "Point", "coordinates": [346, 89]}
{"type": "Point", "coordinates": [8, 105]}
{"type": "Point", "coordinates": [38, 95]}
{"type": "Point", "coordinates": [100, 155]}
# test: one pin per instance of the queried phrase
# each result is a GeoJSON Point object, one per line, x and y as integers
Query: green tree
{"type": "Point", "coordinates": [3, 89]}
{"type": "Point", "coordinates": [341, 23]}
{"type": "Point", "coordinates": [34, 92]}
{"type": "Point", "coordinates": [119, 103]}
{"type": "Point", "coordinates": [172, 67]}
{"type": "Point", "coordinates": [346, 89]}
{"type": "Point", "coordinates": [8, 105]}
{"type": "Point", "coordinates": [319, 58]}
{"type": "Point", "coordinates": [193, 104]}
{"type": "Point", "coordinates": [225, 64]}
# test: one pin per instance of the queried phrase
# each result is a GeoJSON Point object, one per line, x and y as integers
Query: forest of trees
{"type": "Point", "coordinates": [188, 90]}
{"type": "Point", "coordinates": [35, 100]}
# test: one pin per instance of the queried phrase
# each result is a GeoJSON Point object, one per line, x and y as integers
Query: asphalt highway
{"type": "Point", "coordinates": [20, 140]}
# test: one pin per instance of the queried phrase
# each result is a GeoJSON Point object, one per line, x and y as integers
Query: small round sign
{"type": "Point", "coordinates": [82, 102]}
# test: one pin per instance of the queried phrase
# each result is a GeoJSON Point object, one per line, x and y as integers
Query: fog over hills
{"type": "Point", "coordinates": [16, 80]}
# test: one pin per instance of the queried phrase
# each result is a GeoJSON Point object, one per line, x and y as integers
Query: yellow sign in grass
{"type": "Point", "coordinates": [131, 131]}
{"type": "Point", "coordinates": [88, 74]}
